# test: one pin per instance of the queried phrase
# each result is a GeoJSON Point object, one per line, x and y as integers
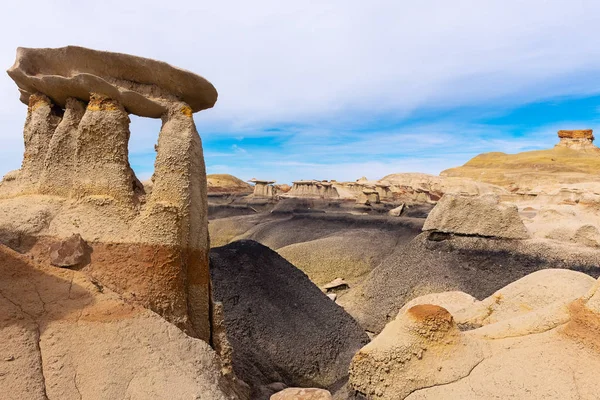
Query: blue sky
{"type": "Point", "coordinates": [340, 89]}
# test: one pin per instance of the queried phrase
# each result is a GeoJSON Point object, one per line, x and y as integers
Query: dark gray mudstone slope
{"type": "Point", "coordinates": [281, 327]}
{"type": "Point", "coordinates": [475, 265]}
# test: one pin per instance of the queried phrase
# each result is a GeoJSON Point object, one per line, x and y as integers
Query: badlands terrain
{"type": "Point", "coordinates": [479, 283]}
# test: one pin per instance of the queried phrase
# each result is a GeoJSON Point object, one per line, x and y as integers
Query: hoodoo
{"type": "Point", "coordinates": [76, 179]}
{"type": "Point", "coordinates": [577, 139]}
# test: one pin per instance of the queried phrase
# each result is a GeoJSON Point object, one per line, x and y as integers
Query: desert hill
{"type": "Point", "coordinates": [575, 159]}
{"type": "Point", "coordinates": [225, 183]}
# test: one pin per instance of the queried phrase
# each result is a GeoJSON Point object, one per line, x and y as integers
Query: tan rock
{"type": "Point", "coordinates": [143, 86]}
{"type": "Point", "coordinates": [421, 348]}
{"type": "Point", "coordinates": [302, 394]}
{"type": "Point", "coordinates": [313, 189]}
{"type": "Point", "coordinates": [481, 216]}
{"type": "Point", "coordinates": [531, 332]}
{"type": "Point", "coordinates": [396, 212]}
{"type": "Point", "coordinates": [68, 253]}
{"type": "Point", "coordinates": [152, 248]}
{"type": "Point", "coordinates": [577, 139]}
{"type": "Point", "coordinates": [337, 283]}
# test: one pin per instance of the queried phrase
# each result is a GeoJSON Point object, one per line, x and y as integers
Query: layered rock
{"type": "Point", "coordinates": [577, 140]}
{"type": "Point", "coordinates": [313, 189]}
{"type": "Point", "coordinates": [152, 248]}
{"type": "Point", "coordinates": [515, 344]}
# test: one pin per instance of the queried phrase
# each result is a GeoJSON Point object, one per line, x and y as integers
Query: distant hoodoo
{"type": "Point", "coordinates": [581, 139]}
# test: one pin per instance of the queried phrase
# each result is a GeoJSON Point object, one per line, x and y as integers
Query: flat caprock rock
{"type": "Point", "coordinates": [143, 86]}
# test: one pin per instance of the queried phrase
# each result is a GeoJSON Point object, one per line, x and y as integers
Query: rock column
{"type": "Point", "coordinates": [41, 122]}
{"type": "Point", "coordinates": [178, 207]}
{"type": "Point", "coordinates": [101, 157]}
{"type": "Point", "coordinates": [59, 169]}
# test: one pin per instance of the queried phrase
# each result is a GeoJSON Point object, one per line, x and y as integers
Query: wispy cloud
{"type": "Point", "coordinates": [345, 84]}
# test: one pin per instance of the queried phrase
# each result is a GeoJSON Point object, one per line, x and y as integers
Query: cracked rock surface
{"type": "Point", "coordinates": [66, 337]}
{"type": "Point", "coordinates": [537, 338]}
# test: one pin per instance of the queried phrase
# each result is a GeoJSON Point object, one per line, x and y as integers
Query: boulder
{"type": "Point", "coordinates": [477, 216]}
{"type": "Point", "coordinates": [69, 252]}
{"type": "Point", "coordinates": [336, 284]}
{"type": "Point", "coordinates": [302, 394]}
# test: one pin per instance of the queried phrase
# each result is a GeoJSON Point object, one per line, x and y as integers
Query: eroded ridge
{"type": "Point", "coordinates": [76, 177]}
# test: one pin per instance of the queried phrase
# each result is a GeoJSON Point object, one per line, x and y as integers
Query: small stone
{"type": "Point", "coordinates": [68, 253]}
{"type": "Point", "coordinates": [11, 358]}
{"type": "Point", "coordinates": [396, 212]}
{"type": "Point", "coordinates": [302, 394]}
{"type": "Point", "coordinates": [336, 284]}
{"type": "Point", "coordinates": [332, 296]}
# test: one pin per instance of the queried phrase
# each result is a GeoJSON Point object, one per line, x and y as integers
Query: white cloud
{"type": "Point", "coordinates": [327, 63]}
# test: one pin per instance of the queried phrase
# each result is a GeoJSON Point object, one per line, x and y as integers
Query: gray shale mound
{"type": "Point", "coordinates": [279, 325]}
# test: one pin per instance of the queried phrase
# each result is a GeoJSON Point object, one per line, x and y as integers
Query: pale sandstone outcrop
{"type": "Point", "coordinates": [517, 343]}
{"type": "Point", "coordinates": [422, 347]}
{"type": "Point", "coordinates": [76, 177]}
{"type": "Point", "coordinates": [480, 216]}
{"type": "Point", "coordinates": [65, 336]}
{"type": "Point", "coordinates": [430, 188]}
{"type": "Point", "coordinates": [577, 140]}
{"type": "Point", "coordinates": [396, 212]}
{"type": "Point", "coordinates": [368, 196]}
{"type": "Point", "coordinates": [406, 187]}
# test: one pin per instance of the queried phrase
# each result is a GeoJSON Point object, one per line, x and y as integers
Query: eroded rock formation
{"type": "Point", "coordinates": [76, 179]}
{"type": "Point", "coordinates": [263, 188]}
{"type": "Point", "coordinates": [577, 139]}
{"type": "Point", "coordinates": [449, 345]}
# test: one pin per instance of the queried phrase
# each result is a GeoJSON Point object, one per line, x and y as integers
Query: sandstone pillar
{"type": "Point", "coordinates": [101, 154]}
{"type": "Point", "coordinates": [40, 125]}
{"type": "Point", "coordinates": [59, 170]}
{"type": "Point", "coordinates": [179, 205]}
